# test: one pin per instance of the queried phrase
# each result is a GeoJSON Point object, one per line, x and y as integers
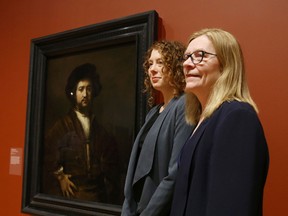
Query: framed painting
{"type": "Point", "coordinates": [85, 106]}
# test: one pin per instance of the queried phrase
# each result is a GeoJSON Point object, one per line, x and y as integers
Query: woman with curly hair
{"type": "Point", "coordinates": [153, 162]}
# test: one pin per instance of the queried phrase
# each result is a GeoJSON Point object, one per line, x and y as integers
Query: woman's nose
{"type": "Point", "coordinates": [152, 73]}
{"type": "Point", "coordinates": [188, 62]}
{"type": "Point", "coordinates": [152, 68]}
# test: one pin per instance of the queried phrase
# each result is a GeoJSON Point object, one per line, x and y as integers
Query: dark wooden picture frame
{"type": "Point", "coordinates": [116, 48]}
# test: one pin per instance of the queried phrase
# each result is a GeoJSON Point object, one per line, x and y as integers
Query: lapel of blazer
{"type": "Point", "coordinates": [133, 158]}
{"type": "Point", "coordinates": [146, 156]}
{"type": "Point", "coordinates": [188, 151]}
{"type": "Point", "coordinates": [183, 176]}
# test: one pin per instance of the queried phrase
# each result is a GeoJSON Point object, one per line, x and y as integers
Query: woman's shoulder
{"type": "Point", "coordinates": [235, 108]}
{"type": "Point", "coordinates": [179, 101]}
{"type": "Point", "coordinates": [236, 105]}
{"type": "Point", "coordinates": [153, 110]}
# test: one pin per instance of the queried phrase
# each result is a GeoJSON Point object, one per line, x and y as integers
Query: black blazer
{"type": "Point", "coordinates": [156, 166]}
{"type": "Point", "coordinates": [223, 166]}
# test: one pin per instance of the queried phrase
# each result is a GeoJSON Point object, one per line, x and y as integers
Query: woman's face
{"type": "Point", "coordinates": [202, 76]}
{"type": "Point", "coordinates": [158, 80]}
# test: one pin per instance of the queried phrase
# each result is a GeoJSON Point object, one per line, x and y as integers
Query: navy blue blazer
{"type": "Point", "coordinates": [223, 166]}
{"type": "Point", "coordinates": [156, 166]}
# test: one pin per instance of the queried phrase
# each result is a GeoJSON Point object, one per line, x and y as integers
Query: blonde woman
{"type": "Point", "coordinates": [224, 164]}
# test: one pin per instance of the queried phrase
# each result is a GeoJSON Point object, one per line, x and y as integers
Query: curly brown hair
{"type": "Point", "coordinates": [172, 55]}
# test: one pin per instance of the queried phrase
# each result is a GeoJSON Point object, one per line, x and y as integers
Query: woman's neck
{"type": "Point", "coordinates": [167, 96]}
{"type": "Point", "coordinates": [203, 98]}
{"type": "Point", "coordinates": [198, 124]}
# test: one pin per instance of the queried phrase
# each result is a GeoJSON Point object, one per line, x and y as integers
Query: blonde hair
{"type": "Point", "coordinates": [231, 85]}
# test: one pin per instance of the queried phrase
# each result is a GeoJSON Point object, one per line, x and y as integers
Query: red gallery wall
{"type": "Point", "coordinates": [260, 26]}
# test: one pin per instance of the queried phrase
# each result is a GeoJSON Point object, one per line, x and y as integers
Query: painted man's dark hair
{"type": "Point", "coordinates": [82, 72]}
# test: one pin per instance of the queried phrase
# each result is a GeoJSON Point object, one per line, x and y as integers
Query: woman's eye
{"type": "Point", "coordinates": [198, 54]}
{"type": "Point", "coordinates": [160, 62]}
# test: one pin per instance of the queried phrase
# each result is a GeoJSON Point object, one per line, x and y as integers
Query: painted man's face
{"type": "Point", "coordinates": [83, 94]}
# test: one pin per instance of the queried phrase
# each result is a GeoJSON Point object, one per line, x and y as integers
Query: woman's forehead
{"type": "Point", "coordinates": [200, 43]}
